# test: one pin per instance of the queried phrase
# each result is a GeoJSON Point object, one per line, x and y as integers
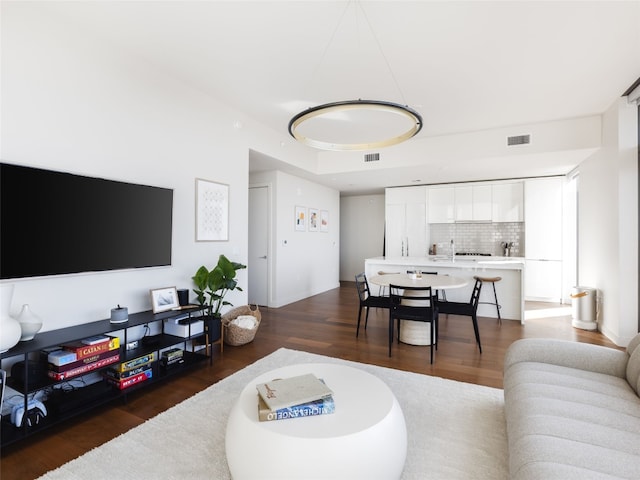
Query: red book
{"type": "Point", "coordinates": [130, 381]}
{"type": "Point", "coordinates": [79, 363]}
{"type": "Point", "coordinates": [83, 351]}
{"type": "Point", "coordinates": [74, 372]}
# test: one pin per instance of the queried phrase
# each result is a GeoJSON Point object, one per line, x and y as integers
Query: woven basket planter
{"type": "Point", "coordinates": [235, 335]}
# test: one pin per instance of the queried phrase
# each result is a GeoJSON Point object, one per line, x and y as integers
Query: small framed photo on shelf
{"type": "Point", "coordinates": [300, 219]}
{"type": "Point", "coordinates": [164, 299]}
{"type": "Point", "coordinates": [313, 220]}
{"type": "Point", "coordinates": [324, 220]}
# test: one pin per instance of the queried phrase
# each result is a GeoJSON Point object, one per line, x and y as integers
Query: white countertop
{"type": "Point", "coordinates": [462, 261]}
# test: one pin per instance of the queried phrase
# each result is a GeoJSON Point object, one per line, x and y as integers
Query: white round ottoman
{"type": "Point", "coordinates": [366, 437]}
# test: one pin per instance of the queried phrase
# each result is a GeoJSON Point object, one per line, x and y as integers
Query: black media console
{"type": "Point", "coordinates": [33, 401]}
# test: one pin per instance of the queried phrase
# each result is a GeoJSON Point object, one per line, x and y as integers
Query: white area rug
{"type": "Point", "coordinates": [455, 430]}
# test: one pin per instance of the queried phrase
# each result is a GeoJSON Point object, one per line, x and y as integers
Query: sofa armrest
{"type": "Point", "coordinates": [583, 356]}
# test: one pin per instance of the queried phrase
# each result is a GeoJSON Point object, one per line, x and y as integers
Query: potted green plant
{"type": "Point", "coordinates": [213, 285]}
{"type": "Point", "coordinates": [211, 288]}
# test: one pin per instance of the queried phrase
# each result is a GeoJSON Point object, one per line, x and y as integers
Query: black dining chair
{"type": "Point", "coordinates": [416, 304]}
{"type": "Point", "coordinates": [367, 300]}
{"type": "Point", "coordinates": [465, 308]}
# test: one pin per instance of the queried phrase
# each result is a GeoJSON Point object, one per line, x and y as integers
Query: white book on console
{"type": "Point", "coordinates": [287, 392]}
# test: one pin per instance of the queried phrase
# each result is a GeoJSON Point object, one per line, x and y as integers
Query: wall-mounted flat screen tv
{"type": "Point", "coordinates": [54, 223]}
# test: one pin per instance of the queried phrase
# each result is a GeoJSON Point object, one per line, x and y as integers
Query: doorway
{"type": "Point", "coordinates": [259, 259]}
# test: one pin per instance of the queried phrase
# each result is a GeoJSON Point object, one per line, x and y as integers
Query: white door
{"type": "Point", "coordinates": [258, 264]}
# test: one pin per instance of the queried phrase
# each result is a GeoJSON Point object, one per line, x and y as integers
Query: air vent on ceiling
{"type": "Point", "coordinates": [371, 157]}
{"type": "Point", "coordinates": [519, 140]}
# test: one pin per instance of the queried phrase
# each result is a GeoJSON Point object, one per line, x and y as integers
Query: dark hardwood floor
{"type": "Point", "coordinates": [323, 324]}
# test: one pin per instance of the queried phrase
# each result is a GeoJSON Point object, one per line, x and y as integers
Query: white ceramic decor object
{"type": "Point", "coordinates": [30, 323]}
{"type": "Point", "coordinates": [10, 331]}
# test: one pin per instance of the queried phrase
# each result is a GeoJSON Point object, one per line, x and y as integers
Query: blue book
{"type": "Point", "coordinates": [323, 406]}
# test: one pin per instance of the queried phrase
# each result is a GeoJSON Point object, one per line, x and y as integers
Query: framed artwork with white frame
{"type": "Point", "coordinates": [324, 220]}
{"type": "Point", "coordinates": [313, 220]}
{"type": "Point", "coordinates": [164, 299]}
{"type": "Point", "coordinates": [300, 219]}
{"type": "Point", "coordinates": [212, 211]}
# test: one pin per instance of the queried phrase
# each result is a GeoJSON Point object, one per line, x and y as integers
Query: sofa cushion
{"type": "Point", "coordinates": [633, 366]}
{"type": "Point", "coordinates": [633, 344]}
{"type": "Point", "coordinates": [593, 358]}
{"type": "Point", "coordinates": [566, 422]}
{"type": "Point", "coordinates": [633, 370]}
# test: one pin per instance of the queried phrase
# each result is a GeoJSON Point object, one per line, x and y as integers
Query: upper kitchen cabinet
{"type": "Point", "coordinates": [441, 201]}
{"type": "Point", "coordinates": [508, 202]}
{"type": "Point", "coordinates": [473, 203]}
{"type": "Point", "coordinates": [543, 218]}
{"type": "Point", "coordinates": [406, 229]}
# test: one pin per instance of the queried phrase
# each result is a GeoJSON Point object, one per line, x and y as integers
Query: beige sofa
{"type": "Point", "coordinates": [572, 410]}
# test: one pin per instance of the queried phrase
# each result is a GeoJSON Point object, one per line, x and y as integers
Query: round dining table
{"type": "Point", "coordinates": [417, 333]}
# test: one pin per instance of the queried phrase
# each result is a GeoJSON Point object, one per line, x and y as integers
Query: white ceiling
{"type": "Point", "coordinates": [465, 66]}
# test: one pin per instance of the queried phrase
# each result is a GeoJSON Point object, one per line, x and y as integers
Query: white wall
{"type": "Point", "coordinates": [73, 103]}
{"type": "Point", "coordinates": [302, 263]}
{"type": "Point", "coordinates": [361, 232]}
{"type": "Point", "coordinates": [608, 223]}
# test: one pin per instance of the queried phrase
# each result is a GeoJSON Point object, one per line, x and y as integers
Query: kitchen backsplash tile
{"type": "Point", "coordinates": [478, 237]}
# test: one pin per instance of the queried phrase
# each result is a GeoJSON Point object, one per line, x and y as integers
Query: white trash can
{"type": "Point", "coordinates": [584, 304]}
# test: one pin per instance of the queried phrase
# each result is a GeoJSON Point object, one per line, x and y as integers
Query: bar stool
{"type": "Point", "coordinates": [492, 281]}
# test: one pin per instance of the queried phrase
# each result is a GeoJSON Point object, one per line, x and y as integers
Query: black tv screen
{"type": "Point", "coordinates": [54, 223]}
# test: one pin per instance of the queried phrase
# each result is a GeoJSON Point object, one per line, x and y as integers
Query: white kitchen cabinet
{"type": "Point", "coordinates": [507, 202]}
{"type": "Point", "coordinates": [543, 280]}
{"type": "Point", "coordinates": [406, 229]}
{"type": "Point", "coordinates": [441, 201]}
{"type": "Point", "coordinates": [482, 203]}
{"type": "Point", "coordinates": [463, 197]}
{"type": "Point", "coordinates": [543, 218]}
{"type": "Point", "coordinates": [543, 238]}
{"type": "Point", "coordinates": [473, 203]}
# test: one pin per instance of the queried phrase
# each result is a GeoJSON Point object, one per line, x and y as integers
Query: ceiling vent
{"type": "Point", "coordinates": [519, 140]}
{"type": "Point", "coordinates": [371, 157]}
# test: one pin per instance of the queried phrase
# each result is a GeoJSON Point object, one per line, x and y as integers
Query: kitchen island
{"type": "Point", "coordinates": [510, 289]}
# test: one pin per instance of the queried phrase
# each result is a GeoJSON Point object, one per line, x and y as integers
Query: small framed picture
{"type": "Point", "coordinates": [163, 299]}
{"type": "Point", "coordinates": [300, 219]}
{"type": "Point", "coordinates": [324, 221]}
{"type": "Point", "coordinates": [314, 221]}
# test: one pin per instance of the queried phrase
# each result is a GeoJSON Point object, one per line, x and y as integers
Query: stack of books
{"type": "Point", "coordinates": [130, 373]}
{"type": "Point", "coordinates": [294, 397]}
{"type": "Point", "coordinates": [172, 358]}
{"type": "Point", "coordinates": [83, 357]}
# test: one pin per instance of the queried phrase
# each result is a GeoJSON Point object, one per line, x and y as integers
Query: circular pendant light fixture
{"type": "Point", "coordinates": [390, 123]}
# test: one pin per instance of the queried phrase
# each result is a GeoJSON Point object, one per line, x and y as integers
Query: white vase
{"type": "Point", "coordinates": [10, 331]}
{"type": "Point", "coordinates": [30, 323]}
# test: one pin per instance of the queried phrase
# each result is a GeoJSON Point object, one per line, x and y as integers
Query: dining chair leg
{"type": "Point", "coordinates": [366, 318]}
{"type": "Point", "coordinates": [431, 325]}
{"type": "Point", "coordinates": [359, 317]}
{"type": "Point", "coordinates": [474, 319]}
{"type": "Point", "coordinates": [390, 333]}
